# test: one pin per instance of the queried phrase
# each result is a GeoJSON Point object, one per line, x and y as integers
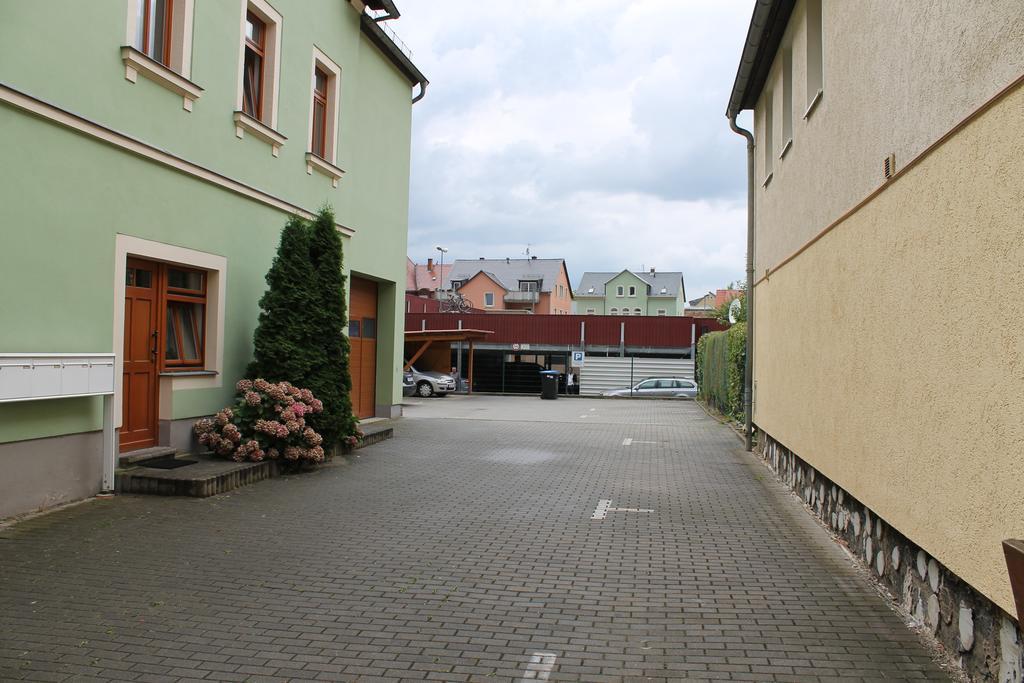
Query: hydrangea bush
{"type": "Point", "coordinates": [267, 421]}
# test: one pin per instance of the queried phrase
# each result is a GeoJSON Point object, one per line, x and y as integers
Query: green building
{"type": "Point", "coordinates": [150, 153]}
{"type": "Point", "coordinates": [630, 293]}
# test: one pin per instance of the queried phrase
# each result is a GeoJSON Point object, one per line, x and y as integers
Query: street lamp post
{"type": "Point", "coordinates": [443, 251]}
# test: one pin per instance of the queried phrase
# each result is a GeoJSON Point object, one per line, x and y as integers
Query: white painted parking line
{"type": "Point", "coordinates": [605, 506]}
{"type": "Point", "coordinates": [540, 666]}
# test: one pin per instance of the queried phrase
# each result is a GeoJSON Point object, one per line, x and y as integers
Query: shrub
{"type": "Point", "coordinates": [720, 365]}
{"type": "Point", "coordinates": [268, 420]}
{"type": "Point", "coordinates": [300, 336]}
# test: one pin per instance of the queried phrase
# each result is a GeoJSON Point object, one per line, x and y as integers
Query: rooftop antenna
{"type": "Point", "coordinates": [527, 250]}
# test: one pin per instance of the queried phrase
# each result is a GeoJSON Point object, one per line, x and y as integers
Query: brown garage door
{"type": "Point", "coordinates": [362, 333]}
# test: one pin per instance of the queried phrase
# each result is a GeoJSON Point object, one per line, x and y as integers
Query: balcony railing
{"type": "Point", "coordinates": [522, 297]}
{"type": "Point", "coordinates": [390, 32]}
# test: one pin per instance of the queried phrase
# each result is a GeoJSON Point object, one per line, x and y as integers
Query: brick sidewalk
{"type": "Point", "coordinates": [464, 549]}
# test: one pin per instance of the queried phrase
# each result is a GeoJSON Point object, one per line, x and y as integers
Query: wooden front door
{"type": "Point", "coordinates": [362, 333]}
{"type": "Point", "coordinates": [141, 334]}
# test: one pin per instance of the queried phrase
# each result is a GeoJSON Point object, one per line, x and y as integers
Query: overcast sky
{"type": "Point", "coordinates": [590, 130]}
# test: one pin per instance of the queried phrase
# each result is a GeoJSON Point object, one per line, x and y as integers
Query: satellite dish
{"type": "Point", "coordinates": [734, 311]}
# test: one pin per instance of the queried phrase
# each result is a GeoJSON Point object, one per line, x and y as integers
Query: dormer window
{"type": "Point", "coordinates": [529, 286]}
{"type": "Point", "coordinates": [456, 284]}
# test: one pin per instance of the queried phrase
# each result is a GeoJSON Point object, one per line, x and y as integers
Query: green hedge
{"type": "Point", "coordinates": [720, 360]}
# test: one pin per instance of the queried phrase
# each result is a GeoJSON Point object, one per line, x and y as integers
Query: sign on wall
{"type": "Point", "coordinates": [578, 357]}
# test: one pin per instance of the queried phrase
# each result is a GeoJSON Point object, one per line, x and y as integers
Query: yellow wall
{"type": "Point", "coordinates": [897, 75]}
{"type": "Point", "coordinates": [890, 354]}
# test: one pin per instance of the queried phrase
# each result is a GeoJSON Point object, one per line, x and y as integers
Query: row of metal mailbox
{"type": "Point", "coordinates": [24, 377]}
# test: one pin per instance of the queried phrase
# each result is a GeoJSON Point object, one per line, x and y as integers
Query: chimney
{"type": "Point", "coordinates": [506, 261]}
{"type": "Point", "coordinates": [533, 258]}
{"type": "Point", "coordinates": [430, 265]}
{"type": "Point", "coordinates": [652, 270]}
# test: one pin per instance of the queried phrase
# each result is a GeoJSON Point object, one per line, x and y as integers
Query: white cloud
{"type": "Point", "coordinates": [593, 130]}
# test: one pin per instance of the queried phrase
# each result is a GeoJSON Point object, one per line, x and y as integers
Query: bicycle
{"type": "Point", "coordinates": [456, 303]}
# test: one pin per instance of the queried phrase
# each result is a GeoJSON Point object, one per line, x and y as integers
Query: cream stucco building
{"type": "Point", "coordinates": [888, 181]}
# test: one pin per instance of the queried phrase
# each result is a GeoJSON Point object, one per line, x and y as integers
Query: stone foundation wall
{"type": "Point", "coordinates": [984, 639]}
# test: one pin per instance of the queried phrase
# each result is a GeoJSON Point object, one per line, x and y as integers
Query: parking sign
{"type": "Point", "coordinates": [577, 358]}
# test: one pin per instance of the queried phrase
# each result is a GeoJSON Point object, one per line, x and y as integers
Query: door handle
{"type": "Point", "coordinates": [152, 350]}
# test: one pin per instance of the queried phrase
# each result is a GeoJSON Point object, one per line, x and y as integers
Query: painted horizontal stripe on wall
{"type": "Point", "coordinates": [126, 143]}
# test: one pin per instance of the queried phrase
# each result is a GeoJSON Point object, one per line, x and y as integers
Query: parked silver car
{"type": "Point", "coordinates": [408, 384]}
{"type": "Point", "coordinates": [432, 383]}
{"type": "Point", "coordinates": [667, 387]}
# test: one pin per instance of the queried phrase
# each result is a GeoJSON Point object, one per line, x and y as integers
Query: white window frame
{"type": "Point", "coordinates": [637, 311]}
{"type": "Point", "coordinates": [787, 100]}
{"type": "Point", "coordinates": [815, 55]}
{"type": "Point", "coordinates": [489, 299]}
{"type": "Point", "coordinates": [620, 290]}
{"type": "Point", "coordinates": [632, 290]}
{"type": "Point", "coordinates": [768, 136]}
{"type": "Point", "coordinates": [591, 311]}
{"type": "Point", "coordinates": [328, 165]}
{"type": "Point", "coordinates": [266, 128]}
{"type": "Point", "coordinates": [614, 311]}
{"type": "Point", "coordinates": [174, 76]}
{"type": "Point", "coordinates": [662, 311]}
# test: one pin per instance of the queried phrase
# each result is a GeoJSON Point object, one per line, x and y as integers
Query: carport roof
{"type": "Point", "coordinates": [446, 335]}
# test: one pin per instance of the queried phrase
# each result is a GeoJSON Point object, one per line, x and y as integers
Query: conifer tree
{"type": "Point", "coordinates": [331, 380]}
{"type": "Point", "coordinates": [284, 346]}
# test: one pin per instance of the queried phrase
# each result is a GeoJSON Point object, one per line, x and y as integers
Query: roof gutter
{"type": "Point", "coordinates": [389, 9]}
{"type": "Point", "coordinates": [401, 61]}
{"type": "Point", "coordinates": [767, 25]}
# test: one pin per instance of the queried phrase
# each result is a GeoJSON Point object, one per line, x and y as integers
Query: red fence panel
{"type": "Point", "coordinates": [565, 330]}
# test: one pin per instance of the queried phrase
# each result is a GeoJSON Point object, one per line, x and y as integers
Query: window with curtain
{"type": "Point", "coordinates": [153, 29]}
{"type": "Point", "coordinates": [255, 56]}
{"type": "Point", "coordinates": [319, 143]}
{"type": "Point", "coordinates": [185, 333]}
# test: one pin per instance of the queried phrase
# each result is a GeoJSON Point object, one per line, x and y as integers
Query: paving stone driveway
{"type": "Point", "coordinates": [464, 549]}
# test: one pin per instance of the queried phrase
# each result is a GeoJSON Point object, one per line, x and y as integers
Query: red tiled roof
{"type": "Point", "coordinates": [724, 296]}
{"type": "Point", "coordinates": [417, 277]}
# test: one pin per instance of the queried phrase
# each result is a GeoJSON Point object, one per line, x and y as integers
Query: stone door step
{"type": "Point", "coordinates": [207, 477]}
{"type": "Point", "coordinates": [144, 455]}
{"type": "Point", "coordinates": [210, 475]}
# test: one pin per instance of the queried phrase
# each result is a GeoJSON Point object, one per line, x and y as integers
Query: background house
{"type": "Point", "coordinates": [529, 285]}
{"type": "Point", "coordinates": [705, 306]}
{"type": "Point", "coordinates": [887, 175]}
{"type": "Point", "coordinates": [630, 293]}
{"type": "Point", "coordinates": [151, 172]}
{"type": "Point", "coordinates": [425, 279]}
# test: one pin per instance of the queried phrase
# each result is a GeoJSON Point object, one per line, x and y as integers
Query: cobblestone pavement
{"type": "Point", "coordinates": [464, 549]}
